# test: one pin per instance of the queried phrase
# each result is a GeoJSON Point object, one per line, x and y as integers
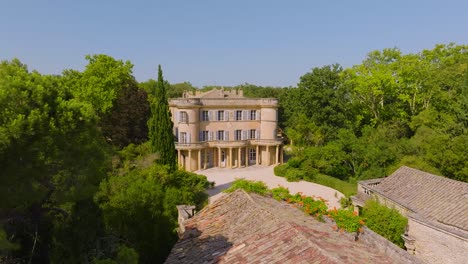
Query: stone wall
{"type": "Point", "coordinates": [373, 239]}
{"type": "Point", "coordinates": [437, 246]}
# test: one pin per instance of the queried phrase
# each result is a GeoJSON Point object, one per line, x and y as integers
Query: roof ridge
{"type": "Point", "coordinates": [440, 177]}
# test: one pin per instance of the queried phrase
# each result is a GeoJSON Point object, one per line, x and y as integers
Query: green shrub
{"type": "Point", "coordinates": [309, 205]}
{"type": "Point", "coordinates": [280, 193]}
{"type": "Point", "coordinates": [281, 169]}
{"type": "Point", "coordinates": [313, 175]}
{"type": "Point", "coordinates": [346, 202]}
{"type": "Point", "coordinates": [295, 162]}
{"type": "Point", "coordinates": [387, 222]}
{"type": "Point", "coordinates": [293, 174]}
{"type": "Point", "coordinates": [346, 219]}
{"type": "Point", "coordinates": [248, 186]}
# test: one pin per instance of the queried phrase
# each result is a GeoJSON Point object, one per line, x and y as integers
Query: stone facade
{"type": "Point", "coordinates": [224, 129]}
{"type": "Point", "coordinates": [436, 208]}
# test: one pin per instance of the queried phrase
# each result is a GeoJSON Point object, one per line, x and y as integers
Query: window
{"type": "Point", "coordinates": [220, 135]}
{"type": "Point", "coordinates": [238, 135]}
{"type": "Point", "coordinates": [205, 115]}
{"type": "Point", "coordinates": [252, 154]}
{"type": "Point", "coordinates": [253, 115]}
{"type": "Point", "coordinates": [220, 115]}
{"type": "Point", "coordinates": [204, 136]}
{"type": "Point", "coordinates": [183, 137]}
{"type": "Point", "coordinates": [253, 133]}
{"type": "Point", "coordinates": [183, 117]}
{"type": "Point", "coordinates": [239, 115]}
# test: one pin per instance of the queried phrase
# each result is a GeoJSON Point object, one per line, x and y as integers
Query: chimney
{"type": "Point", "coordinates": [241, 93]}
{"type": "Point", "coordinates": [185, 212]}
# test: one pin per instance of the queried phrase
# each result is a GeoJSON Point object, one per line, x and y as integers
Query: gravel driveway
{"type": "Point", "coordinates": [224, 177]}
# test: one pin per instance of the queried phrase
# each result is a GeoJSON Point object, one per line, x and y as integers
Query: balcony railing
{"type": "Point", "coordinates": [232, 143]}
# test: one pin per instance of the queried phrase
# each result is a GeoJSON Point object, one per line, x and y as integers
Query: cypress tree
{"type": "Point", "coordinates": [160, 126]}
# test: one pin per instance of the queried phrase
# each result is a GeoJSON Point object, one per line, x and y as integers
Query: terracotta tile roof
{"type": "Point", "coordinates": [430, 197]}
{"type": "Point", "coordinates": [248, 228]}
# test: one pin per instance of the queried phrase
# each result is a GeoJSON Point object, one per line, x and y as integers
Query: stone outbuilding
{"type": "Point", "coordinates": [436, 208]}
{"type": "Point", "coordinates": [248, 228]}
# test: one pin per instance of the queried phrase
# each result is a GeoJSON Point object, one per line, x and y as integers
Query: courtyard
{"type": "Point", "coordinates": [223, 179]}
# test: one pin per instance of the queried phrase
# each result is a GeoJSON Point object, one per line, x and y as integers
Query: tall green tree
{"type": "Point", "coordinates": [51, 156]}
{"type": "Point", "coordinates": [160, 125]}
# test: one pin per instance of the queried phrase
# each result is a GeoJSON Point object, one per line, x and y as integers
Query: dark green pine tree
{"type": "Point", "coordinates": [160, 126]}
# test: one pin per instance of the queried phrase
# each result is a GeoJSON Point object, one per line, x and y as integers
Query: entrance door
{"type": "Point", "coordinates": [223, 158]}
{"type": "Point", "coordinates": [252, 156]}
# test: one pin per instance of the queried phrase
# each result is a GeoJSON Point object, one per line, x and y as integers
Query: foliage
{"type": "Point", "coordinates": [126, 122]}
{"type": "Point", "coordinates": [140, 207]}
{"type": "Point", "coordinates": [310, 174]}
{"type": "Point", "coordinates": [293, 174]}
{"type": "Point", "coordinates": [51, 153]}
{"type": "Point", "coordinates": [101, 81]}
{"type": "Point", "coordinates": [346, 219]}
{"type": "Point", "coordinates": [248, 186]}
{"type": "Point", "coordinates": [280, 170]}
{"type": "Point", "coordinates": [160, 126]}
{"type": "Point", "coordinates": [318, 106]}
{"type": "Point", "coordinates": [387, 222]}
{"type": "Point", "coordinates": [309, 205]}
{"type": "Point", "coordinates": [346, 202]}
{"type": "Point", "coordinates": [391, 109]}
{"type": "Point", "coordinates": [280, 193]}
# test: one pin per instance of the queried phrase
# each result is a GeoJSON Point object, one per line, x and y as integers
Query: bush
{"type": "Point", "coordinates": [293, 174]}
{"type": "Point", "coordinates": [281, 169]}
{"type": "Point", "coordinates": [387, 222]}
{"type": "Point", "coordinates": [280, 193]}
{"type": "Point", "coordinates": [346, 219]}
{"type": "Point", "coordinates": [248, 186]}
{"type": "Point", "coordinates": [295, 162]}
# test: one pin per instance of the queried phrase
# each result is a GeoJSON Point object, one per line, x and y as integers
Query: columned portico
{"type": "Point", "coordinates": [198, 157]}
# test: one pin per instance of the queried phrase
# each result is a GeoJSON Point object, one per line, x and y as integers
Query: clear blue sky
{"type": "Point", "coordinates": [216, 42]}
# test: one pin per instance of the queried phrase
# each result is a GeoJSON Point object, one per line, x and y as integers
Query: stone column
{"type": "Point", "coordinates": [239, 157]}
{"type": "Point", "coordinates": [179, 157]}
{"type": "Point", "coordinates": [257, 156]}
{"type": "Point", "coordinates": [206, 159]}
{"type": "Point", "coordinates": [199, 160]}
{"type": "Point", "coordinates": [190, 160]}
{"type": "Point", "coordinates": [277, 154]}
{"type": "Point", "coordinates": [246, 156]}
{"type": "Point", "coordinates": [219, 157]}
{"type": "Point", "coordinates": [230, 158]}
{"type": "Point", "coordinates": [268, 155]}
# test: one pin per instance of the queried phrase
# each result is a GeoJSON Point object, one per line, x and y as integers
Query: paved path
{"type": "Point", "coordinates": [223, 178]}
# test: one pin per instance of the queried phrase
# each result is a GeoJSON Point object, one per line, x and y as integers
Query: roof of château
{"type": "Point", "coordinates": [430, 197]}
{"type": "Point", "coordinates": [249, 228]}
{"type": "Point", "coordinates": [215, 93]}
